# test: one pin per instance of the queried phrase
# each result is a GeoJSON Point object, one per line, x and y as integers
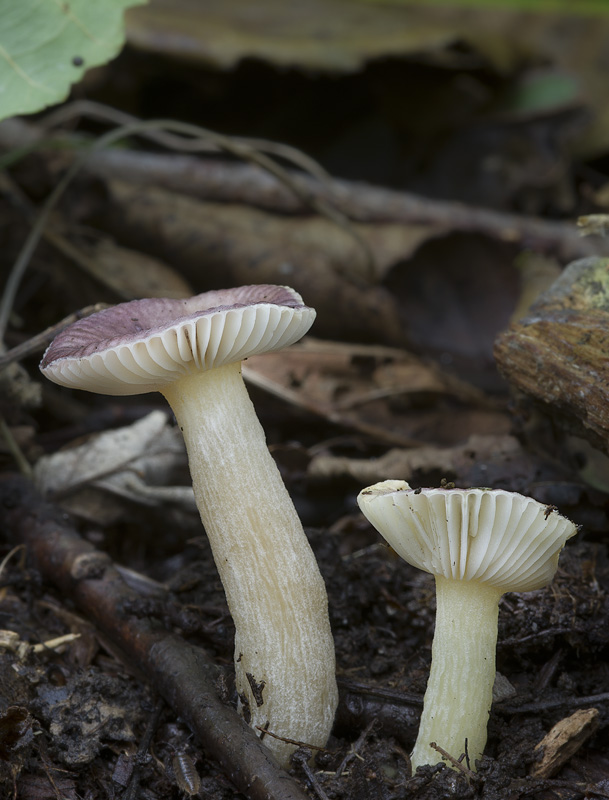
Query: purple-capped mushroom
{"type": "Point", "coordinates": [191, 351]}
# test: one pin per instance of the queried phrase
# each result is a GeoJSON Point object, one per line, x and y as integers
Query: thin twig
{"type": "Point", "coordinates": [140, 756]}
{"type": "Point", "coordinates": [228, 182]}
{"type": "Point", "coordinates": [301, 759]}
{"type": "Point", "coordinates": [25, 468]}
{"type": "Point", "coordinates": [305, 745]}
{"type": "Point", "coordinates": [546, 705]}
{"type": "Point", "coordinates": [239, 149]}
{"type": "Point", "coordinates": [51, 235]}
{"type": "Point", "coordinates": [103, 113]}
{"type": "Point", "coordinates": [34, 236]}
{"type": "Point", "coordinates": [382, 692]}
{"type": "Point", "coordinates": [356, 747]}
{"type": "Point", "coordinates": [455, 762]}
{"type": "Point", "coordinates": [18, 548]}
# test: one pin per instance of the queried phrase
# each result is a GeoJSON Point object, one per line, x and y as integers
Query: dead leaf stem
{"type": "Point", "coordinates": [104, 113]}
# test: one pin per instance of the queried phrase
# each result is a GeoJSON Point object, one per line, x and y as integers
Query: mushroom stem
{"type": "Point", "coordinates": [284, 652]}
{"type": "Point", "coordinates": [460, 686]}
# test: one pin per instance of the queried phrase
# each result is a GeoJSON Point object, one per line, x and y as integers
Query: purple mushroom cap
{"type": "Point", "coordinates": [139, 346]}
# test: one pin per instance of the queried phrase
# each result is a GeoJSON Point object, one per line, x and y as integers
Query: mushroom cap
{"type": "Point", "coordinates": [487, 535]}
{"type": "Point", "coordinates": [143, 345]}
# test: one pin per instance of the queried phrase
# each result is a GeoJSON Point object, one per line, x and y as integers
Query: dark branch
{"type": "Point", "coordinates": [183, 675]}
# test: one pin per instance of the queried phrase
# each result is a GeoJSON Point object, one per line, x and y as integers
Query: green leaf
{"type": "Point", "coordinates": [46, 46]}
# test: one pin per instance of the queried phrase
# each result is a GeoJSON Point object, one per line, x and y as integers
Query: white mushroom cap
{"type": "Point", "coordinates": [488, 535]}
{"type": "Point", "coordinates": [140, 346]}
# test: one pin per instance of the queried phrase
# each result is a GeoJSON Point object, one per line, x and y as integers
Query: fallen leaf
{"type": "Point", "coordinates": [101, 455]}
{"type": "Point", "coordinates": [402, 464]}
{"type": "Point", "coordinates": [128, 273]}
{"type": "Point", "coordinates": [342, 36]}
{"type": "Point", "coordinates": [386, 393]}
{"type": "Point", "coordinates": [134, 462]}
{"type": "Point", "coordinates": [242, 245]}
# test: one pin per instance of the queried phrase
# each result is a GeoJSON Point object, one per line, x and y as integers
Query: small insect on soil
{"type": "Point", "coordinates": [187, 777]}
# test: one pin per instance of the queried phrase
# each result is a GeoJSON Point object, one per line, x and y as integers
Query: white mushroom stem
{"type": "Point", "coordinates": [284, 652]}
{"type": "Point", "coordinates": [460, 686]}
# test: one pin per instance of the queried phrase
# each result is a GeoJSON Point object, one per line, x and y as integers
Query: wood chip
{"type": "Point", "coordinates": [563, 741]}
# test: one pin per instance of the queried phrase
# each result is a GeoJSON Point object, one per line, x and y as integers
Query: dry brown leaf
{"type": "Point", "coordinates": [401, 464]}
{"type": "Point", "coordinates": [342, 36]}
{"type": "Point", "coordinates": [386, 393]}
{"type": "Point", "coordinates": [129, 274]}
{"type": "Point", "coordinates": [132, 274]}
{"type": "Point", "coordinates": [333, 35]}
{"type": "Point", "coordinates": [217, 245]}
{"type": "Point", "coordinates": [103, 454]}
{"type": "Point", "coordinates": [134, 462]}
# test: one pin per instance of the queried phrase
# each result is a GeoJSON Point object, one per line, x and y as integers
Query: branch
{"type": "Point", "coordinates": [226, 182]}
{"type": "Point", "coordinates": [221, 181]}
{"type": "Point", "coordinates": [182, 674]}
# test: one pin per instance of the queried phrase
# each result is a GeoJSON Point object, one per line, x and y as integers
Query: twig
{"type": "Point", "coordinates": [153, 722]}
{"type": "Point", "coordinates": [355, 748]}
{"type": "Point", "coordinates": [24, 465]}
{"type": "Point", "coordinates": [228, 182]}
{"type": "Point", "coordinates": [52, 644]}
{"type": "Point", "coordinates": [56, 790]}
{"type": "Point", "coordinates": [35, 234]}
{"type": "Point", "coordinates": [546, 705]}
{"type": "Point", "coordinates": [577, 789]}
{"type": "Point", "coordinates": [243, 151]}
{"type": "Point", "coordinates": [301, 759]}
{"type": "Point", "coordinates": [305, 745]}
{"type": "Point", "coordinates": [183, 675]}
{"type": "Point", "coordinates": [52, 236]}
{"type": "Point", "coordinates": [382, 693]}
{"type": "Point", "coordinates": [455, 762]}
{"type": "Point", "coordinates": [18, 548]}
{"type": "Point", "coordinates": [532, 637]}
{"type": "Point", "coordinates": [99, 111]}
{"type": "Point", "coordinates": [251, 150]}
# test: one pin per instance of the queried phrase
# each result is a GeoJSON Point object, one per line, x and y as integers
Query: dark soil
{"type": "Point", "coordinates": [72, 723]}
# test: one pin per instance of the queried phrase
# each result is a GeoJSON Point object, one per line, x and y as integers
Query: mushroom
{"type": "Point", "coordinates": [191, 351]}
{"type": "Point", "coordinates": [478, 544]}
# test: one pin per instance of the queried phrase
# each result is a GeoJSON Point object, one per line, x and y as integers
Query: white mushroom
{"type": "Point", "coordinates": [191, 351]}
{"type": "Point", "coordinates": [478, 543]}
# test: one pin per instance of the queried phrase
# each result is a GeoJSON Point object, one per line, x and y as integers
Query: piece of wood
{"type": "Point", "coordinates": [228, 182]}
{"type": "Point", "coordinates": [563, 741]}
{"type": "Point", "coordinates": [557, 354]}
